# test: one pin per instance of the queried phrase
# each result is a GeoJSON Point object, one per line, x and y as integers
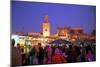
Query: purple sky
{"type": "Point", "coordinates": [29, 16]}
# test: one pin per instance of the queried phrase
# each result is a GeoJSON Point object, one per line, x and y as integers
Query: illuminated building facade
{"type": "Point", "coordinates": [63, 32]}
{"type": "Point", "coordinates": [44, 37]}
{"type": "Point", "coordinates": [46, 27]}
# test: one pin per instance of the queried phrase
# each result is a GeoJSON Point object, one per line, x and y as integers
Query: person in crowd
{"type": "Point", "coordinates": [65, 52]}
{"type": "Point", "coordinates": [57, 57]}
{"type": "Point", "coordinates": [18, 46]}
{"type": "Point", "coordinates": [22, 53]}
{"type": "Point", "coordinates": [31, 55]}
{"type": "Point", "coordinates": [16, 55]}
{"type": "Point", "coordinates": [83, 52]}
{"type": "Point", "coordinates": [89, 56]}
{"type": "Point", "coordinates": [45, 61]}
{"type": "Point", "coordinates": [49, 53]}
{"type": "Point", "coordinates": [40, 54]}
{"type": "Point", "coordinates": [35, 60]}
{"type": "Point", "coordinates": [23, 58]}
{"type": "Point", "coordinates": [74, 55]}
{"type": "Point", "coordinates": [78, 53]}
{"type": "Point", "coordinates": [69, 60]}
{"type": "Point", "coordinates": [65, 56]}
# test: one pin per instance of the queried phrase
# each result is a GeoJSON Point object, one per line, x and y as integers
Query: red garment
{"type": "Point", "coordinates": [58, 58]}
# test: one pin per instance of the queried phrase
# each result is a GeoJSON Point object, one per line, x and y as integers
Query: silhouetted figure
{"type": "Point", "coordinates": [18, 46]}
{"type": "Point", "coordinates": [89, 54]}
{"type": "Point", "coordinates": [49, 53]}
{"type": "Point", "coordinates": [40, 54]}
{"type": "Point", "coordinates": [35, 60]}
{"type": "Point", "coordinates": [16, 55]}
{"type": "Point", "coordinates": [31, 54]}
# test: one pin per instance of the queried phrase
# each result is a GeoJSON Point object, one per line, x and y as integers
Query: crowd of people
{"type": "Point", "coordinates": [53, 54]}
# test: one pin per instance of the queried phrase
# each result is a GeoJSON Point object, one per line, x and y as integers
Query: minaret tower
{"type": "Point", "coordinates": [46, 27]}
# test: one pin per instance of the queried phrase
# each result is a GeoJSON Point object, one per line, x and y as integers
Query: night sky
{"type": "Point", "coordinates": [29, 16]}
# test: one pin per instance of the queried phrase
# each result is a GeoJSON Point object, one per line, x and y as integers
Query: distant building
{"type": "Point", "coordinates": [46, 27]}
{"type": "Point", "coordinates": [63, 32]}
{"type": "Point", "coordinates": [77, 30]}
{"type": "Point", "coordinates": [44, 37]}
{"type": "Point", "coordinates": [34, 34]}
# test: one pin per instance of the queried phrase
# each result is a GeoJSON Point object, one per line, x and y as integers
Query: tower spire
{"type": "Point", "coordinates": [46, 26]}
{"type": "Point", "coordinates": [46, 20]}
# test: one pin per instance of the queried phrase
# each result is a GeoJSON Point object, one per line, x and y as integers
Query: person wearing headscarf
{"type": "Point", "coordinates": [58, 57]}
